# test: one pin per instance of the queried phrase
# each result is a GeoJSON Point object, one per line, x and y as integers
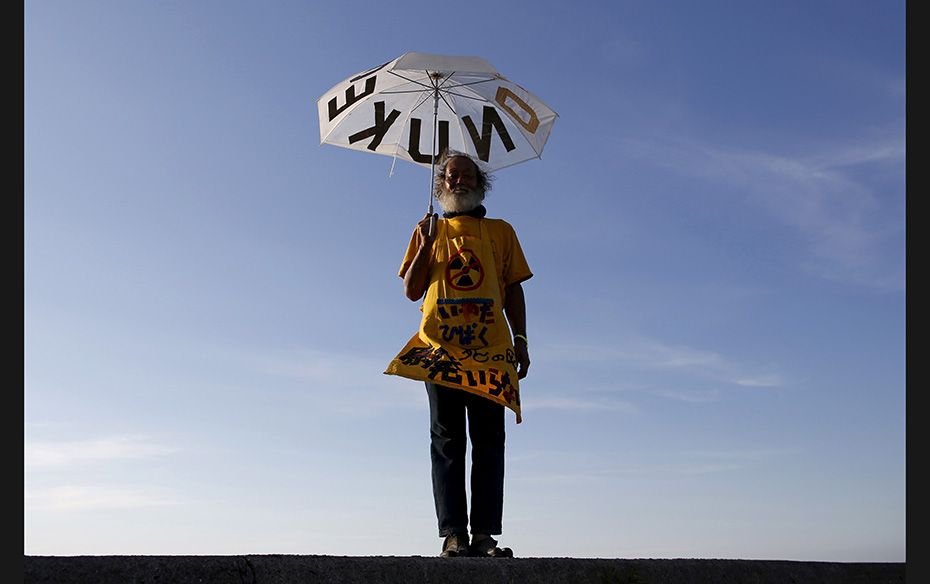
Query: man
{"type": "Point", "coordinates": [470, 269]}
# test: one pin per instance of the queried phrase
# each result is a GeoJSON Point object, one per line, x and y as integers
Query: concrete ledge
{"type": "Point", "coordinates": [283, 569]}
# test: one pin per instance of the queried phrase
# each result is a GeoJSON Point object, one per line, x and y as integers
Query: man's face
{"type": "Point", "coordinates": [460, 175]}
{"type": "Point", "coordinates": [460, 193]}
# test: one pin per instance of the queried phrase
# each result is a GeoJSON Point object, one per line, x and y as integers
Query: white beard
{"type": "Point", "coordinates": [462, 201]}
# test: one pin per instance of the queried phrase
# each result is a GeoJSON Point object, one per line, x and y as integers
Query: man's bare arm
{"type": "Point", "coordinates": [416, 278]}
{"type": "Point", "coordinates": [515, 308]}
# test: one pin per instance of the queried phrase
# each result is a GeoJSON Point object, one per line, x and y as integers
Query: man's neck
{"type": "Point", "coordinates": [477, 212]}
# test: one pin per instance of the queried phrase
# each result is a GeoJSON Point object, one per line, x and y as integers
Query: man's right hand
{"type": "Point", "coordinates": [426, 238]}
{"type": "Point", "coordinates": [416, 278]}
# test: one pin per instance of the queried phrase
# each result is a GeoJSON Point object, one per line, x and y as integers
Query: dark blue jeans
{"type": "Point", "coordinates": [448, 409]}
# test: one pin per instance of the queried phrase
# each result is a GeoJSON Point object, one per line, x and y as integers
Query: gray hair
{"type": "Point", "coordinates": [482, 178]}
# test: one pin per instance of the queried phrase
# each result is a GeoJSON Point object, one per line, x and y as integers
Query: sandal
{"type": "Point", "coordinates": [455, 546]}
{"type": "Point", "coordinates": [486, 547]}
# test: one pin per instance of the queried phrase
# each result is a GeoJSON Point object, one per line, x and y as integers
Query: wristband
{"type": "Point", "coordinates": [521, 337]}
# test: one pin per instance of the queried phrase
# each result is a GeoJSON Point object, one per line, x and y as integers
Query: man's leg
{"type": "Point", "coordinates": [447, 452]}
{"type": "Point", "coordinates": [486, 429]}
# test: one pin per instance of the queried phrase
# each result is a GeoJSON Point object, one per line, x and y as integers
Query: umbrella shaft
{"type": "Point", "coordinates": [432, 170]}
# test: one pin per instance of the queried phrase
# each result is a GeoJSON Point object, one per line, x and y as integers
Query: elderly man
{"type": "Point", "coordinates": [470, 269]}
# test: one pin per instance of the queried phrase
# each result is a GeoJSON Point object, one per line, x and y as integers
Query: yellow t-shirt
{"type": "Point", "coordinates": [464, 339]}
{"type": "Point", "coordinates": [508, 255]}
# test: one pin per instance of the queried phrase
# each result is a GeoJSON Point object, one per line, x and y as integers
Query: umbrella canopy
{"type": "Point", "coordinates": [419, 105]}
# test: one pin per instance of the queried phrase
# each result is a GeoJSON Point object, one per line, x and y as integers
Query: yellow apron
{"type": "Point", "coordinates": [464, 340]}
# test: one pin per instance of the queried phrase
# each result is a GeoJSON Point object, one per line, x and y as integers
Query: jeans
{"type": "Point", "coordinates": [448, 409]}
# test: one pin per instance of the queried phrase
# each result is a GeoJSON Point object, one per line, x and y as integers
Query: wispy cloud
{"type": "Point", "coordinates": [760, 381]}
{"type": "Point", "coordinates": [342, 383]}
{"type": "Point", "coordinates": [83, 498]}
{"type": "Point", "coordinates": [690, 396]}
{"type": "Point", "coordinates": [848, 225]}
{"type": "Point", "coordinates": [674, 464]}
{"type": "Point", "coordinates": [698, 462]}
{"type": "Point", "coordinates": [45, 454]}
{"type": "Point", "coordinates": [351, 385]}
{"type": "Point", "coordinates": [750, 455]}
{"type": "Point", "coordinates": [604, 473]}
{"type": "Point", "coordinates": [647, 352]}
{"type": "Point", "coordinates": [67, 456]}
{"type": "Point", "coordinates": [652, 354]}
{"type": "Point", "coordinates": [658, 355]}
{"type": "Point", "coordinates": [578, 404]}
{"type": "Point", "coordinates": [319, 367]}
{"type": "Point", "coordinates": [559, 478]}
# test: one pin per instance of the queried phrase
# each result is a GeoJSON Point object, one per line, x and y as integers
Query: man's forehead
{"type": "Point", "coordinates": [459, 161]}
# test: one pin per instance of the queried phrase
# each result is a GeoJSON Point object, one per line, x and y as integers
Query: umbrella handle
{"type": "Point", "coordinates": [432, 225]}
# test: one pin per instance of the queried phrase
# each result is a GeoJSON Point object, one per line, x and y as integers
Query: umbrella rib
{"type": "Point", "coordinates": [426, 88]}
{"type": "Point", "coordinates": [443, 96]}
{"type": "Point", "coordinates": [444, 81]}
{"type": "Point", "coordinates": [479, 98]}
{"type": "Point", "coordinates": [420, 83]}
{"type": "Point", "coordinates": [448, 89]}
{"type": "Point", "coordinates": [431, 88]}
{"type": "Point", "coordinates": [448, 79]}
{"type": "Point", "coordinates": [441, 92]}
{"type": "Point", "coordinates": [475, 82]}
{"type": "Point", "coordinates": [422, 101]}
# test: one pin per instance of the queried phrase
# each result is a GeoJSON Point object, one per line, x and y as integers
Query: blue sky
{"type": "Point", "coordinates": [716, 322]}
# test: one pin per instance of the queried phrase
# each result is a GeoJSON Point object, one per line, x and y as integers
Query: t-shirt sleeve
{"type": "Point", "coordinates": [411, 252]}
{"type": "Point", "coordinates": [516, 268]}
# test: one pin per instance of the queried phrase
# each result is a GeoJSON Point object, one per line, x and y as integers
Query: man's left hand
{"type": "Point", "coordinates": [522, 354]}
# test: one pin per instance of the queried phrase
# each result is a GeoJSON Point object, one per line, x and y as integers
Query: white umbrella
{"type": "Point", "coordinates": [404, 107]}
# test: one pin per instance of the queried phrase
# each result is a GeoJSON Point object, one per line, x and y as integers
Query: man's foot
{"type": "Point", "coordinates": [455, 545]}
{"type": "Point", "coordinates": [486, 546]}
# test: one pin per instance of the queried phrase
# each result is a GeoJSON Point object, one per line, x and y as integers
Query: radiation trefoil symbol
{"type": "Point", "coordinates": [464, 271]}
